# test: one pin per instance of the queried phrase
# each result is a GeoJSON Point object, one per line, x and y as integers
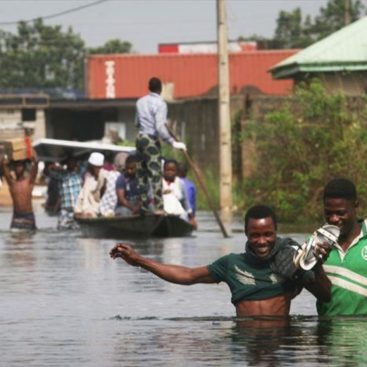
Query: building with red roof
{"type": "Point", "coordinates": [184, 75]}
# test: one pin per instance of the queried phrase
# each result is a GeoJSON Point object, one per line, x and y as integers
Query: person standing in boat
{"type": "Point", "coordinates": [93, 188]}
{"type": "Point", "coordinates": [20, 184]}
{"type": "Point", "coordinates": [151, 118]}
{"type": "Point", "coordinates": [128, 202]}
{"type": "Point", "coordinates": [261, 280]}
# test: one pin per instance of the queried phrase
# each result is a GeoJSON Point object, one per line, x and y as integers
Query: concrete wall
{"type": "Point", "coordinates": [349, 83]}
{"type": "Point", "coordinates": [255, 109]}
{"type": "Point", "coordinates": [12, 122]}
{"type": "Point", "coordinates": [196, 122]}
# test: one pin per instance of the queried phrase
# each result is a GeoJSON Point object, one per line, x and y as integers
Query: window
{"type": "Point", "coordinates": [28, 114]}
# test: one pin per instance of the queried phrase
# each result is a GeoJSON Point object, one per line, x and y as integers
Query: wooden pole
{"type": "Point", "coordinates": [199, 176]}
{"type": "Point", "coordinates": [346, 12]}
{"type": "Point", "coordinates": [225, 148]}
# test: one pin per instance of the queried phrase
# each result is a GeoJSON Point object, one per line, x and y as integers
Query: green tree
{"type": "Point", "coordinates": [295, 31]}
{"type": "Point", "coordinates": [332, 17]}
{"type": "Point", "coordinates": [41, 56]}
{"type": "Point", "coordinates": [291, 31]}
{"type": "Point", "coordinates": [113, 46]}
{"type": "Point", "coordinates": [312, 138]}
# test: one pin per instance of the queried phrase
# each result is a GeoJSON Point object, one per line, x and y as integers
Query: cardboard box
{"type": "Point", "coordinates": [19, 155]}
{"type": "Point", "coordinates": [15, 149]}
{"type": "Point", "coordinates": [17, 143]}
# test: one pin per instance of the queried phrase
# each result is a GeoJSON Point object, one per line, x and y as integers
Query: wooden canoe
{"type": "Point", "coordinates": [149, 225]}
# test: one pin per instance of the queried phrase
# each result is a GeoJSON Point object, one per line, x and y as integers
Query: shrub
{"type": "Point", "coordinates": [311, 139]}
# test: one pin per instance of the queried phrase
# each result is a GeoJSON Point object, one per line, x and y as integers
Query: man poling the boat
{"type": "Point", "coordinates": [256, 285]}
{"type": "Point", "coordinates": [151, 118]}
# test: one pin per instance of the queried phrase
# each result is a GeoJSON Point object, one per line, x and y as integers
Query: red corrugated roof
{"type": "Point", "coordinates": [192, 74]}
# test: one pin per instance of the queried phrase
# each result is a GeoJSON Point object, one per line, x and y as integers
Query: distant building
{"type": "Point", "coordinates": [205, 47]}
{"type": "Point", "coordinates": [184, 75]}
{"type": "Point", "coordinates": [23, 111]}
{"type": "Point", "coordinates": [339, 60]}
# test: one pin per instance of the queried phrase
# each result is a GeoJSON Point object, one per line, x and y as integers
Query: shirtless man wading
{"type": "Point", "coordinates": [257, 287]}
{"type": "Point", "coordinates": [20, 188]}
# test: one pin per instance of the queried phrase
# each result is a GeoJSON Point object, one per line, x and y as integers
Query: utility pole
{"type": "Point", "coordinates": [225, 148]}
{"type": "Point", "coordinates": [346, 12]}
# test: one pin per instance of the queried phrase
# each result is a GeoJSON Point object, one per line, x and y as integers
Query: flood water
{"type": "Point", "coordinates": [64, 302]}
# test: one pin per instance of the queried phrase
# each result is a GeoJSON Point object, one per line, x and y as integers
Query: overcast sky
{"type": "Point", "coordinates": [146, 23]}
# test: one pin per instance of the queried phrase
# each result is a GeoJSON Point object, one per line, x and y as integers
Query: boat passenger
{"type": "Point", "coordinates": [128, 202]}
{"type": "Point", "coordinates": [345, 262]}
{"type": "Point", "coordinates": [151, 118]}
{"type": "Point", "coordinates": [174, 194]}
{"type": "Point", "coordinates": [108, 202]}
{"type": "Point", "coordinates": [69, 185]}
{"type": "Point", "coordinates": [20, 186]}
{"type": "Point", "coordinates": [52, 204]}
{"type": "Point", "coordinates": [190, 190]}
{"type": "Point", "coordinates": [258, 283]}
{"type": "Point", "coordinates": [93, 188]}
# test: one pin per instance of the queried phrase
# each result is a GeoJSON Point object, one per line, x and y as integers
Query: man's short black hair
{"type": "Point", "coordinates": [170, 160]}
{"type": "Point", "coordinates": [130, 159]}
{"type": "Point", "coordinates": [340, 188]}
{"type": "Point", "coordinates": [260, 212]}
{"type": "Point", "coordinates": [155, 85]}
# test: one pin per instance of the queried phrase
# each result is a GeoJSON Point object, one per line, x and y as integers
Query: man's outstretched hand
{"type": "Point", "coordinates": [126, 252]}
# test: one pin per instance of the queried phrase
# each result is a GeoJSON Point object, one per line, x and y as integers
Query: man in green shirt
{"type": "Point", "coordinates": [256, 285]}
{"type": "Point", "coordinates": [346, 262]}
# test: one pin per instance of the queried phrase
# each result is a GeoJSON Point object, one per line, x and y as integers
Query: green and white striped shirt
{"type": "Point", "coordinates": [347, 271]}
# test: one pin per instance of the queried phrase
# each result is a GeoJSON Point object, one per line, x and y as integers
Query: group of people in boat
{"type": "Point", "coordinates": [76, 191]}
{"type": "Point", "coordinates": [93, 188]}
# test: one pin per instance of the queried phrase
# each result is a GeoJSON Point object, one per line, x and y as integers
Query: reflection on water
{"type": "Point", "coordinates": [64, 302]}
{"type": "Point", "coordinates": [298, 341]}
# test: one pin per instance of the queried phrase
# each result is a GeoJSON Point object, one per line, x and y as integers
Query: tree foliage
{"type": "Point", "coordinates": [300, 147]}
{"type": "Point", "coordinates": [41, 56]}
{"type": "Point", "coordinates": [114, 46]}
{"type": "Point", "coordinates": [332, 17]}
{"type": "Point", "coordinates": [295, 30]}
{"type": "Point", "coordinates": [291, 31]}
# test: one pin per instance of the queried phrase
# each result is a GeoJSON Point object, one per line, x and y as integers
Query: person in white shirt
{"type": "Point", "coordinates": [93, 187]}
{"type": "Point", "coordinates": [151, 117]}
{"type": "Point", "coordinates": [174, 194]}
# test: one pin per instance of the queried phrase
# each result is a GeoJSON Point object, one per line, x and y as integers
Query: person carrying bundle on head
{"type": "Point", "coordinates": [21, 183]}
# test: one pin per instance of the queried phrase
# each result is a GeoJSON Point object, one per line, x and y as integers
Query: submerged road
{"type": "Point", "coordinates": [64, 302]}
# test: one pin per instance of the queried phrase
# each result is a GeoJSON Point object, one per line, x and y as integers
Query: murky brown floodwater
{"type": "Point", "coordinates": [64, 302]}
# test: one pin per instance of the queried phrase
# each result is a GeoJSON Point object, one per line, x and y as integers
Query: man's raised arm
{"type": "Point", "coordinates": [171, 273]}
{"type": "Point", "coordinates": [6, 172]}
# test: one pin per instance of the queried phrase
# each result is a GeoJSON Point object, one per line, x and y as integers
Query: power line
{"type": "Point", "coordinates": [64, 12]}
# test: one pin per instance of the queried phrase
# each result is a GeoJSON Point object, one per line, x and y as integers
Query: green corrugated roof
{"type": "Point", "coordinates": [344, 50]}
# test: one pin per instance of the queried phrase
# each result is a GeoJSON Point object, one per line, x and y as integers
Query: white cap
{"type": "Point", "coordinates": [96, 159]}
